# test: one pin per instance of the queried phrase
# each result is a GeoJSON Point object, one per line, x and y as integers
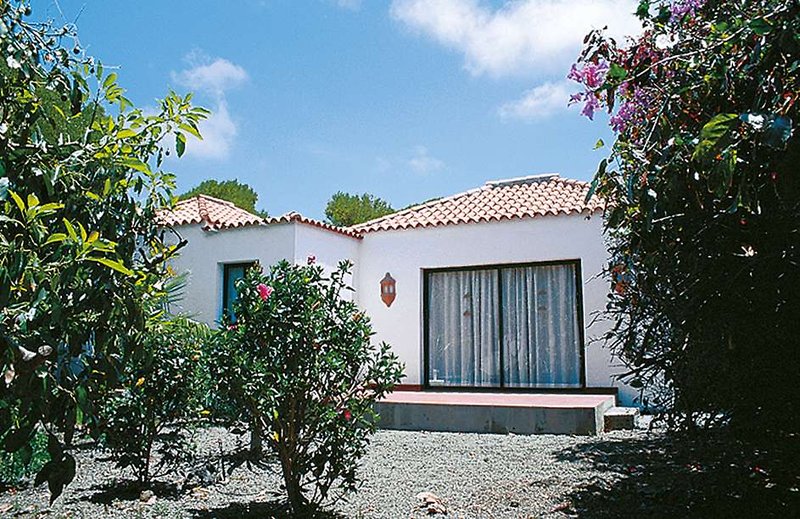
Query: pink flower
{"type": "Point", "coordinates": [264, 291]}
{"type": "Point", "coordinates": [311, 259]}
{"type": "Point", "coordinates": [232, 327]}
{"type": "Point", "coordinates": [347, 415]}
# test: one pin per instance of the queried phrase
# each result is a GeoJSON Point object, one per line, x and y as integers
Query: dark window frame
{"type": "Point", "coordinates": [502, 387]}
{"type": "Point", "coordinates": [226, 267]}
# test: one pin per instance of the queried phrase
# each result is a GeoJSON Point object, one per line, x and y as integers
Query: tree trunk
{"type": "Point", "coordinates": [256, 438]}
{"type": "Point", "coordinates": [297, 500]}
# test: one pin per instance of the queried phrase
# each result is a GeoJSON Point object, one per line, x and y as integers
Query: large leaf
{"type": "Point", "coordinates": [712, 134]}
{"type": "Point", "coordinates": [114, 264]}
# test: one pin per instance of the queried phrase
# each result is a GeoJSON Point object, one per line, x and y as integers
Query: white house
{"type": "Point", "coordinates": [494, 288]}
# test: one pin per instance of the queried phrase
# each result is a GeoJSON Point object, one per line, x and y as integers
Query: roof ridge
{"type": "Point", "coordinates": [524, 180]}
{"type": "Point", "coordinates": [218, 200]}
{"type": "Point", "coordinates": [521, 197]}
{"type": "Point", "coordinates": [294, 216]}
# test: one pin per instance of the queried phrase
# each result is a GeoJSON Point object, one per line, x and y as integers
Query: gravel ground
{"type": "Point", "coordinates": [474, 475]}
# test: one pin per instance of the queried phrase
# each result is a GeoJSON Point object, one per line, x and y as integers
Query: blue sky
{"type": "Point", "coordinates": [405, 99]}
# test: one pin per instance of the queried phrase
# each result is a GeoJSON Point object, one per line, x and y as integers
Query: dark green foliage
{"type": "Point", "coordinates": [79, 246]}
{"type": "Point", "coordinates": [17, 467]}
{"type": "Point", "coordinates": [704, 210]}
{"type": "Point", "coordinates": [240, 194]}
{"type": "Point", "coordinates": [344, 209]}
{"type": "Point", "coordinates": [162, 389]}
{"type": "Point", "coordinates": [299, 362]}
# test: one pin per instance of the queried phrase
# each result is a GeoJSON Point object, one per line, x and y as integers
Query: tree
{"type": "Point", "coordinates": [79, 246]}
{"type": "Point", "coordinates": [240, 194]}
{"type": "Point", "coordinates": [344, 209]}
{"type": "Point", "coordinates": [299, 362]}
{"type": "Point", "coordinates": [704, 206]}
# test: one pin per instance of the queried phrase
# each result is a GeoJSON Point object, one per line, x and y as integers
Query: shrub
{"type": "Point", "coordinates": [162, 389]}
{"type": "Point", "coordinates": [704, 205]}
{"type": "Point", "coordinates": [299, 360]}
{"type": "Point", "coordinates": [17, 467]}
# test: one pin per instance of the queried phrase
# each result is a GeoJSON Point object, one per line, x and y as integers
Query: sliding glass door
{"type": "Point", "coordinates": [514, 326]}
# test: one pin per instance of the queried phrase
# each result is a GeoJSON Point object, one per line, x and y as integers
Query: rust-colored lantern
{"type": "Point", "coordinates": [388, 292]}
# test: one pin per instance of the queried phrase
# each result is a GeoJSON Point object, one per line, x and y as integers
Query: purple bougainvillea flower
{"type": "Point", "coordinates": [594, 74]}
{"type": "Point", "coordinates": [264, 291]}
{"type": "Point", "coordinates": [681, 8]}
{"type": "Point", "coordinates": [590, 106]}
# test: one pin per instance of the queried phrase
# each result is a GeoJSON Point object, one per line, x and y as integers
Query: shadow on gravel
{"type": "Point", "coordinates": [265, 510]}
{"type": "Point", "coordinates": [107, 493]}
{"type": "Point", "coordinates": [674, 476]}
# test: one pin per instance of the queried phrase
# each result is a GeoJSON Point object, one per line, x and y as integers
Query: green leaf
{"type": "Point", "coordinates": [191, 130]}
{"type": "Point", "coordinates": [617, 73]}
{"type": "Point", "coordinates": [18, 201]}
{"type": "Point", "coordinates": [180, 144]}
{"type": "Point", "coordinates": [56, 238]}
{"type": "Point", "coordinates": [114, 264]}
{"type": "Point", "coordinates": [599, 144]}
{"type": "Point", "coordinates": [33, 200]}
{"type": "Point", "coordinates": [713, 132]}
{"type": "Point", "coordinates": [126, 133]}
{"type": "Point", "coordinates": [134, 163]}
{"type": "Point", "coordinates": [643, 10]}
{"type": "Point", "coordinates": [110, 80]}
{"type": "Point", "coordinates": [760, 26]}
{"type": "Point", "coordinates": [70, 230]}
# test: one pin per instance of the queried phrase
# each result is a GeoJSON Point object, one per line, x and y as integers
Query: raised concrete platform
{"type": "Point", "coordinates": [528, 413]}
{"type": "Point", "coordinates": [618, 418]}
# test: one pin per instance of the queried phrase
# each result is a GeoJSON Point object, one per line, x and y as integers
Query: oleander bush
{"type": "Point", "coordinates": [299, 361]}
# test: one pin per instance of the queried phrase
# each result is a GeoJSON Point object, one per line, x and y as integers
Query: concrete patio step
{"type": "Point", "coordinates": [520, 413]}
{"type": "Point", "coordinates": [617, 418]}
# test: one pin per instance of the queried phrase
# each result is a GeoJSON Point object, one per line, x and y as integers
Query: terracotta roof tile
{"type": "Point", "coordinates": [297, 217]}
{"type": "Point", "coordinates": [524, 197]}
{"type": "Point", "coordinates": [213, 213]}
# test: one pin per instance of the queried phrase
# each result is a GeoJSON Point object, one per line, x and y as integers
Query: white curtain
{"type": "Point", "coordinates": [463, 328]}
{"type": "Point", "coordinates": [533, 309]}
{"type": "Point", "coordinates": [541, 341]}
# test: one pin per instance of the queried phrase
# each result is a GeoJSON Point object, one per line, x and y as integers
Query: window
{"type": "Point", "coordinates": [231, 273]}
{"type": "Point", "coordinates": [508, 326]}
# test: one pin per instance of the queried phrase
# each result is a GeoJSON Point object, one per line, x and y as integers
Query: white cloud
{"type": "Point", "coordinates": [214, 77]}
{"type": "Point", "coordinates": [218, 132]}
{"type": "Point", "coordinates": [539, 102]}
{"type": "Point", "coordinates": [422, 162]}
{"type": "Point", "coordinates": [521, 36]}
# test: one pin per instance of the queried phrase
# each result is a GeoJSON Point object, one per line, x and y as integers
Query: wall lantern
{"type": "Point", "coordinates": [388, 292]}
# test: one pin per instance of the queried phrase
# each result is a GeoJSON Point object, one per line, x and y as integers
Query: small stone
{"type": "Point", "coordinates": [147, 497]}
{"type": "Point", "coordinates": [431, 503]}
{"type": "Point", "coordinates": [200, 493]}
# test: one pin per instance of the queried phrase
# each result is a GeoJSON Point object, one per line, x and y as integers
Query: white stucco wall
{"type": "Point", "coordinates": [328, 247]}
{"type": "Point", "coordinates": [206, 253]}
{"type": "Point", "coordinates": [405, 253]}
